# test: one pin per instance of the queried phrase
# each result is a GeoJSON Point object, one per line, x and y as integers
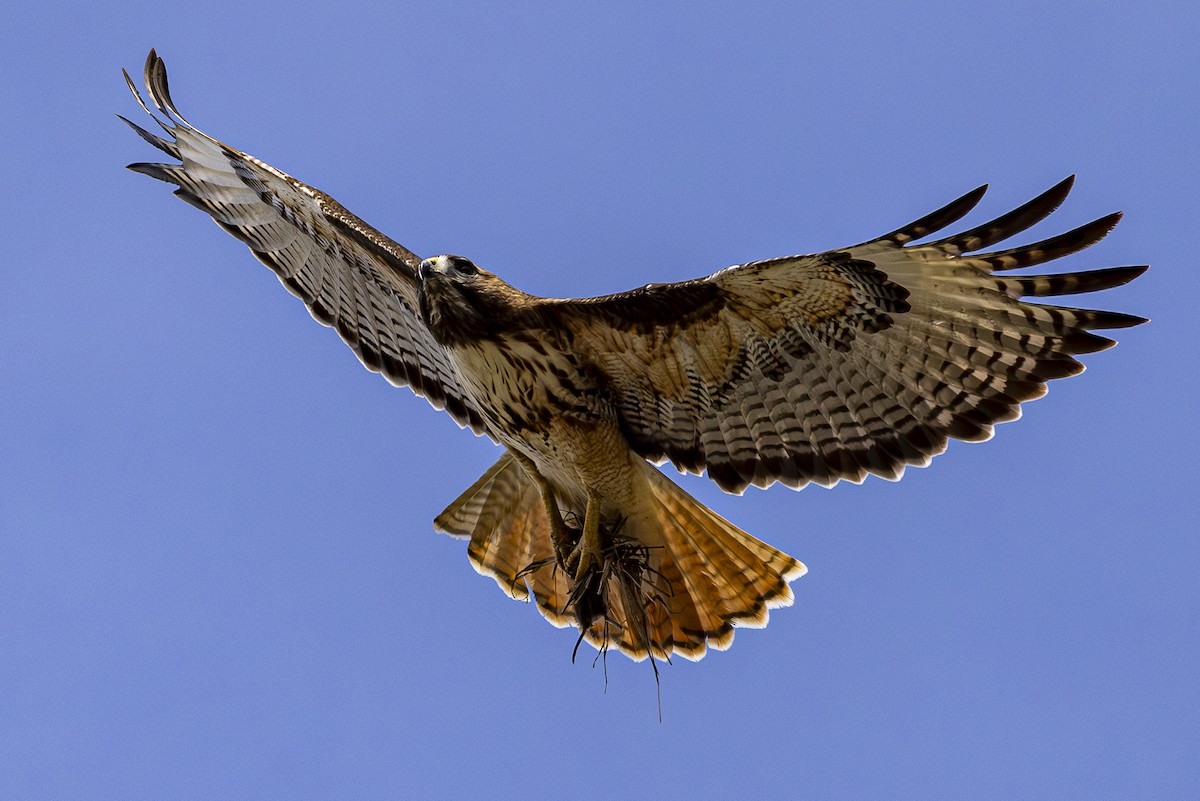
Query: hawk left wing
{"type": "Point", "coordinates": [351, 277]}
{"type": "Point", "coordinates": [838, 365]}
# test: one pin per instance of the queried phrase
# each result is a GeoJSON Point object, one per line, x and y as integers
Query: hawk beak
{"type": "Point", "coordinates": [430, 267]}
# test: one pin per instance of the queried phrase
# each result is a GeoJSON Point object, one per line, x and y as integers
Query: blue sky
{"type": "Point", "coordinates": [218, 576]}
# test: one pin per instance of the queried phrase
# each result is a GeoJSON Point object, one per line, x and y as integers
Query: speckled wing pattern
{"type": "Point", "coordinates": [351, 277]}
{"type": "Point", "coordinates": [859, 361]}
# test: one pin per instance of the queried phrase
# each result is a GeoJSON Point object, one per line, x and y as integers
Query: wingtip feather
{"type": "Point", "coordinates": [155, 75]}
{"type": "Point", "coordinates": [161, 172]}
{"type": "Point", "coordinates": [949, 214]}
{"type": "Point", "coordinates": [157, 141]}
{"type": "Point", "coordinates": [1019, 219]}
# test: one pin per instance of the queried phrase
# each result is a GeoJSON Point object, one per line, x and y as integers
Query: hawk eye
{"type": "Point", "coordinates": [465, 267]}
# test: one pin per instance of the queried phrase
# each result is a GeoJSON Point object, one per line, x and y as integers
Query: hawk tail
{"type": "Point", "coordinates": [702, 578]}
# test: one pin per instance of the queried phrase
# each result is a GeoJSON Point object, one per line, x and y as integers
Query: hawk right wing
{"type": "Point", "coordinates": [351, 277]}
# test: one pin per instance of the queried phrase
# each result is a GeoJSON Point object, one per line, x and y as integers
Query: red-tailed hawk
{"type": "Point", "coordinates": [798, 369]}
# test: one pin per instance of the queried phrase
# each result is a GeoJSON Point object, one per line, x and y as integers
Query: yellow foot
{"type": "Point", "coordinates": [587, 554]}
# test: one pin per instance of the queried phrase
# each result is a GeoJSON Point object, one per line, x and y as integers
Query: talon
{"type": "Point", "coordinates": [560, 538]}
{"type": "Point", "coordinates": [583, 561]}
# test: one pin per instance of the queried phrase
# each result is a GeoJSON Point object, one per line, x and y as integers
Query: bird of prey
{"type": "Point", "coordinates": [811, 368]}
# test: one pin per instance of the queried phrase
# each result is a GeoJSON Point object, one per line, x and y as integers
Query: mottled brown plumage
{"type": "Point", "coordinates": [812, 368]}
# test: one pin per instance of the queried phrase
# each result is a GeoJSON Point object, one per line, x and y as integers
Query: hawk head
{"type": "Point", "coordinates": [461, 302]}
